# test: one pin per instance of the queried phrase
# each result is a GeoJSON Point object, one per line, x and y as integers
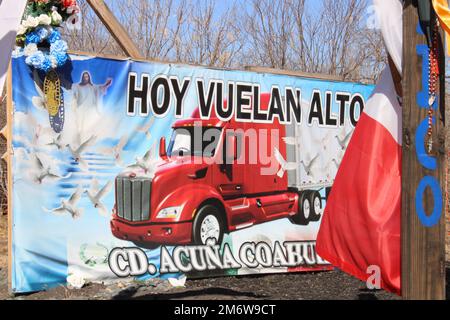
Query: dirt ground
{"type": "Point", "coordinates": [317, 285]}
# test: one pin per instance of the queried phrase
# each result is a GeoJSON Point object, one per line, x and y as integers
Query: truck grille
{"type": "Point", "coordinates": [133, 198]}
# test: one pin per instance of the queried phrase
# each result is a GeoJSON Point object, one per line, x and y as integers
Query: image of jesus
{"type": "Point", "coordinates": [86, 104]}
{"type": "Point", "coordinates": [86, 94]}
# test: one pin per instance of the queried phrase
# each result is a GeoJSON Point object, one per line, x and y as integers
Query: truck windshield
{"type": "Point", "coordinates": [190, 141]}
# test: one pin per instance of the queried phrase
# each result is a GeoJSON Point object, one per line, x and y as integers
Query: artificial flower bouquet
{"type": "Point", "coordinates": [38, 37]}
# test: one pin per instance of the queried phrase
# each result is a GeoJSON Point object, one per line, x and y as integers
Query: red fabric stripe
{"type": "Point", "coordinates": [361, 222]}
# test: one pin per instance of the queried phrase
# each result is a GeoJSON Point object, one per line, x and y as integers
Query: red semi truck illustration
{"type": "Point", "coordinates": [197, 193]}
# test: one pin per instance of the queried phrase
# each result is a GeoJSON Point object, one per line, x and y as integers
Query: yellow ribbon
{"type": "Point", "coordinates": [443, 13]}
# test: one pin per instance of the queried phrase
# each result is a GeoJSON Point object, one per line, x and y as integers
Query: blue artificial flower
{"type": "Point", "coordinates": [54, 36]}
{"type": "Point", "coordinates": [58, 47]}
{"type": "Point", "coordinates": [32, 37]}
{"type": "Point", "coordinates": [61, 58]}
{"type": "Point", "coordinates": [36, 59]}
{"type": "Point", "coordinates": [42, 33]}
{"type": "Point", "coordinates": [46, 64]}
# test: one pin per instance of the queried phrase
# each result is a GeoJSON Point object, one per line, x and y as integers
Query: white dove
{"type": "Point", "coordinates": [146, 128]}
{"type": "Point", "coordinates": [95, 196]}
{"type": "Point", "coordinates": [147, 162]}
{"type": "Point", "coordinates": [39, 133]}
{"type": "Point", "coordinates": [343, 142]}
{"type": "Point", "coordinates": [76, 153]}
{"type": "Point", "coordinates": [308, 166]}
{"type": "Point", "coordinates": [116, 151]}
{"type": "Point", "coordinates": [285, 166]}
{"type": "Point", "coordinates": [69, 206]}
{"type": "Point", "coordinates": [56, 141]}
{"type": "Point", "coordinates": [324, 140]}
{"type": "Point", "coordinates": [39, 172]}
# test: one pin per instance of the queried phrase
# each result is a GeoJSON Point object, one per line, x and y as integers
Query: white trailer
{"type": "Point", "coordinates": [317, 152]}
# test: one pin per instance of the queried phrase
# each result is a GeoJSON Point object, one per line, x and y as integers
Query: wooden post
{"type": "Point", "coordinates": [9, 160]}
{"type": "Point", "coordinates": [423, 247]}
{"type": "Point", "coordinates": [115, 28]}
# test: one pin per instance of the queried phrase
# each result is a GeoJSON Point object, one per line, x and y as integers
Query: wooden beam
{"type": "Point", "coordinates": [423, 246]}
{"type": "Point", "coordinates": [115, 28]}
{"type": "Point", "coordinates": [319, 76]}
{"type": "Point", "coordinates": [294, 73]}
{"type": "Point", "coordinates": [9, 124]}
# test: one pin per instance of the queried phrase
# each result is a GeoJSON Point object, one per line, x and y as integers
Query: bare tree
{"type": "Point", "coordinates": [211, 40]}
{"type": "Point", "coordinates": [345, 41]}
{"type": "Point", "coordinates": [327, 37]}
{"type": "Point", "coordinates": [269, 26]}
{"type": "Point", "coordinates": [154, 25]}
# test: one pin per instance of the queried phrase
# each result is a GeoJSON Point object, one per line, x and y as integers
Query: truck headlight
{"type": "Point", "coordinates": [169, 213]}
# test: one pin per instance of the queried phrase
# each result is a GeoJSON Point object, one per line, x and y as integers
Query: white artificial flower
{"type": "Point", "coordinates": [22, 30]}
{"type": "Point", "coordinates": [75, 281]}
{"type": "Point", "coordinates": [31, 22]}
{"type": "Point", "coordinates": [44, 19]}
{"type": "Point", "coordinates": [30, 49]}
{"type": "Point", "coordinates": [56, 17]}
{"type": "Point", "coordinates": [24, 23]}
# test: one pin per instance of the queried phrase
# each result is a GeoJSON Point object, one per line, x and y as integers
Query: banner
{"type": "Point", "coordinates": [165, 170]}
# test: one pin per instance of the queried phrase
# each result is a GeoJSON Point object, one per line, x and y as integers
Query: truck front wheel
{"type": "Point", "coordinates": [208, 223]}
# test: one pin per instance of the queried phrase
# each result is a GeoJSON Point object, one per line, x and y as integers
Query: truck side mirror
{"type": "Point", "coordinates": [162, 148]}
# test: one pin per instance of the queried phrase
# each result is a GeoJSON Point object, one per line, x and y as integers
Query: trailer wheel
{"type": "Point", "coordinates": [316, 206]}
{"type": "Point", "coordinates": [208, 223]}
{"type": "Point", "coordinates": [147, 245]}
{"type": "Point", "coordinates": [304, 209]}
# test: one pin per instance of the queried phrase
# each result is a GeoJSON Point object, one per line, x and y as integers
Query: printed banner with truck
{"type": "Point", "coordinates": [133, 169]}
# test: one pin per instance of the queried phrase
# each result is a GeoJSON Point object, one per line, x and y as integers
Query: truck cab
{"type": "Point", "coordinates": [214, 177]}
